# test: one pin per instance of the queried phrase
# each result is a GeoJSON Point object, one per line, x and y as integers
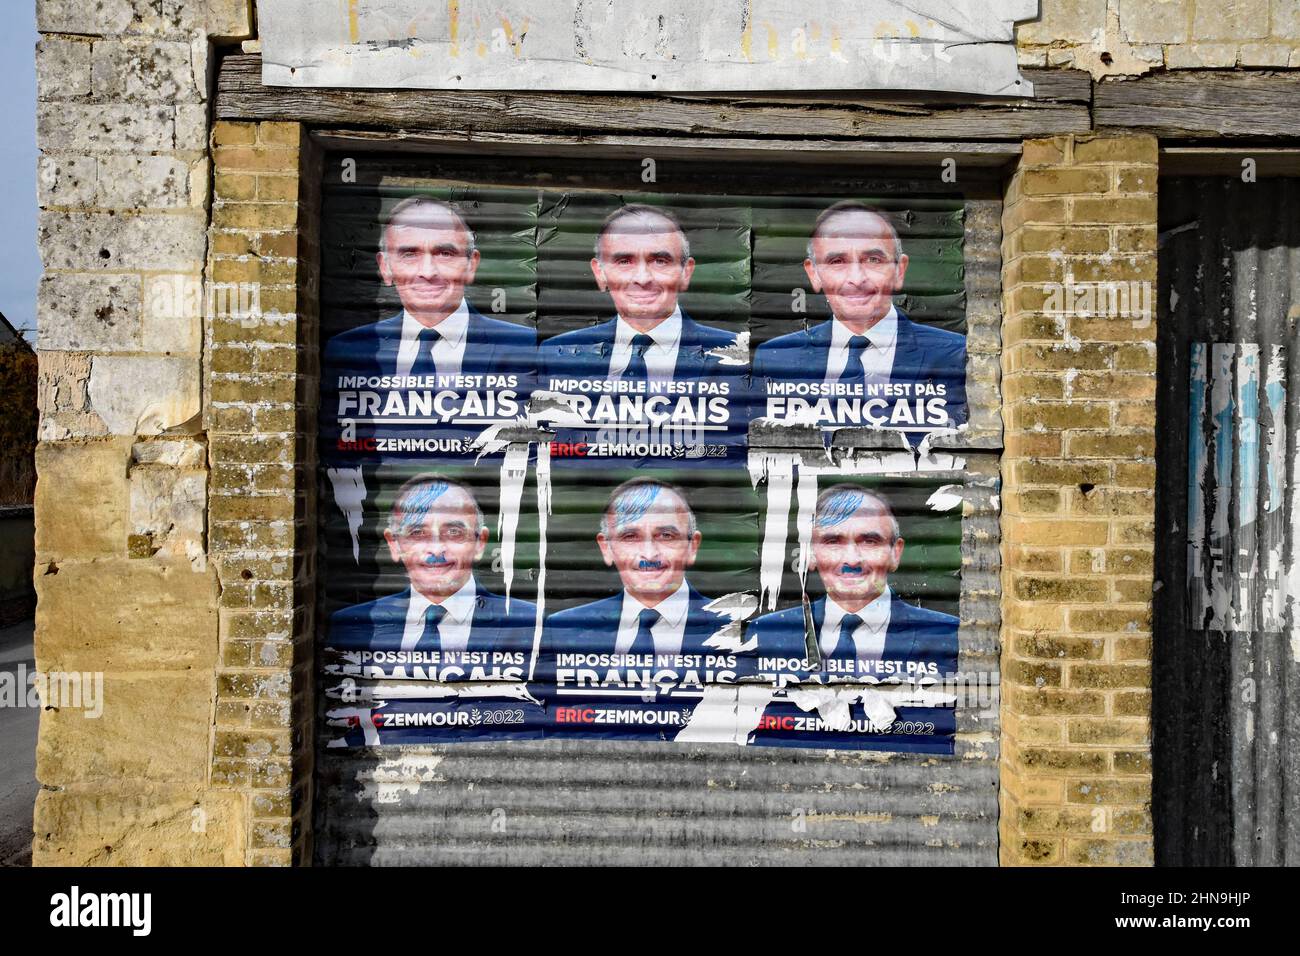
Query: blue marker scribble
{"type": "Point", "coordinates": [644, 565]}
{"type": "Point", "coordinates": [436, 559]}
{"type": "Point", "coordinates": [850, 569]}
{"type": "Point", "coordinates": [419, 503]}
{"type": "Point", "coordinates": [634, 503]}
{"type": "Point", "coordinates": [840, 507]}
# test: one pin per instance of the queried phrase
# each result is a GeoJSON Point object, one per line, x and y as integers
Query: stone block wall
{"type": "Point", "coordinates": [127, 592]}
{"type": "Point", "coordinates": [1131, 37]}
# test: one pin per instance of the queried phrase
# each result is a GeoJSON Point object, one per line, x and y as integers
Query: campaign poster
{"type": "Point", "coordinates": [431, 620]}
{"type": "Point", "coordinates": [858, 314]}
{"type": "Point", "coordinates": [545, 511]}
{"type": "Point", "coordinates": [861, 641]}
{"type": "Point", "coordinates": [428, 304]}
{"type": "Point", "coordinates": [643, 316]}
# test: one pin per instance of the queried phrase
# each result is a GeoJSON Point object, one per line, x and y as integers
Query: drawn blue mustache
{"type": "Point", "coordinates": [644, 565]}
{"type": "Point", "coordinates": [850, 569]}
{"type": "Point", "coordinates": [433, 559]}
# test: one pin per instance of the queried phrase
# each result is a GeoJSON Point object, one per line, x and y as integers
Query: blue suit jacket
{"type": "Point", "coordinates": [922, 353]}
{"type": "Point", "coordinates": [585, 353]}
{"type": "Point", "coordinates": [914, 634]}
{"type": "Point", "coordinates": [593, 628]}
{"type": "Point", "coordinates": [378, 625]}
{"type": "Point", "coordinates": [492, 347]}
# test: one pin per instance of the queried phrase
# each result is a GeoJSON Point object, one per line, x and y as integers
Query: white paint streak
{"type": "Point", "coordinates": [349, 486]}
{"type": "Point", "coordinates": [514, 472]}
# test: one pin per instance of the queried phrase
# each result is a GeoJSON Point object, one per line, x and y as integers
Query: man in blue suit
{"type": "Point", "coordinates": [643, 260]}
{"type": "Point", "coordinates": [436, 533]}
{"type": "Point", "coordinates": [856, 260]}
{"type": "Point", "coordinates": [856, 545]}
{"type": "Point", "coordinates": [648, 534]}
{"type": "Point", "coordinates": [427, 252]}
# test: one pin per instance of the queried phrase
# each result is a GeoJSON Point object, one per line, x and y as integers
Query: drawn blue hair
{"type": "Point", "coordinates": [839, 503]}
{"type": "Point", "coordinates": [631, 500]}
{"type": "Point", "coordinates": [415, 499]}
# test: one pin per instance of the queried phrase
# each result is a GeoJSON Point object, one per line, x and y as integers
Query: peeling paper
{"type": "Point", "coordinates": [543, 512]}
{"type": "Point", "coordinates": [779, 472]}
{"type": "Point", "coordinates": [350, 496]}
{"type": "Point", "coordinates": [737, 353]}
{"type": "Point", "coordinates": [739, 607]}
{"type": "Point", "coordinates": [378, 693]}
{"type": "Point", "coordinates": [726, 714]}
{"type": "Point", "coordinates": [945, 498]}
{"type": "Point", "coordinates": [514, 472]}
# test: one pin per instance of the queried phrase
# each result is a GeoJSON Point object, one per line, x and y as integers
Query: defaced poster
{"type": "Point", "coordinates": [593, 466]}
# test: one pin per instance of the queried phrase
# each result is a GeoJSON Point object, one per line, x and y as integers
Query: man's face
{"type": "Point", "coordinates": [647, 537]}
{"type": "Point", "coordinates": [426, 255]}
{"type": "Point", "coordinates": [439, 549]}
{"type": "Point", "coordinates": [853, 264]}
{"type": "Point", "coordinates": [855, 556]}
{"type": "Point", "coordinates": [643, 272]}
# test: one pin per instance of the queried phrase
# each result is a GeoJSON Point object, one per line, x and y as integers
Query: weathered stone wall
{"type": "Point", "coordinates": [1078, 504]}
{"type": "Point", "coordinates": [125, 585]}
{"type": "Point", "coordinates": [1131, 37]}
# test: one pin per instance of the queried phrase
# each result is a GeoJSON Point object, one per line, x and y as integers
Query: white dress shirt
{"type": "Point", "coordinates": [877, 361]}
{"type": "Point", "coordinates": [667, 632]}
{"type": "Point", "coordinates": [660, 358]}
{"type": "Point", "coordinates": [870, 634]}
{"type": "Point", "coordinates": [454, 627]}
{"type": "Point", "coordinates": [448, 351]}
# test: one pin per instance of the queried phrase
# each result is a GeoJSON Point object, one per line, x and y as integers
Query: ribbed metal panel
{"type": "Point", "coordinates": [1227, 687]}
{"type": "Point", "coordinates": [614, 802]}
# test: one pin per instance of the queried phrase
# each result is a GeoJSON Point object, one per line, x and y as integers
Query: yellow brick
{"type": "Point", "coordinates": [1116, 149]}
{"type": "Point", "coordinates": [1044, 152]}
{"type": "Point", "coordinates": [279, 134]}
{"type": "Point", "coordinates": [255, 159]}
{"type": "Point", "coordinates": [1064, 181]}
{"type": "Point", "coordinates": [1135, 179]}
{"type": "Point", "coordinates": [225, 133]}
{"type": "Point", "coordinates": [234, 186]}
{"type": "Point", "coordinates": [277, 188]}
{"type": "Point", "coordinates": [1122, 210]}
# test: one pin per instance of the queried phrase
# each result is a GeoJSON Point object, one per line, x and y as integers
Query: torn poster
{"type": "Point", "coordinates": [551, 516]}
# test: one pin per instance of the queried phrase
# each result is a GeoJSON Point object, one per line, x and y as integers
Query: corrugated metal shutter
{"type": "Point", "coordinates": [615, 802]}
{"type": "Point", "coordinates": [1227, 686]}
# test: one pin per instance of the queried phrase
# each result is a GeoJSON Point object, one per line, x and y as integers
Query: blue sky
{"type": "Point", "coordinates": [20, 263]}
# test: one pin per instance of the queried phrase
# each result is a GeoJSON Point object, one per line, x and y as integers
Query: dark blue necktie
{"type": "Point", "coordinates": [645, 642]}
{"type": "Point", "coordinates": [847, 649]}
{"type": "Point", "coordinates": [431, 639]}
{"type": "Point", "coordinates": [424, 364]}
{"type": "Point", "coordinates": [853, 373]}
{"type": "Point", "coordinates": [636, 370]}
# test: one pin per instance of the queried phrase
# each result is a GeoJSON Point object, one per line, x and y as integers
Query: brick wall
{"type": "Point", "coordinates": [260, 418]}
{"type": "Point", "coordinates": [1111, 37]}
{"type": "Point", "coordinates": [1078, 503]}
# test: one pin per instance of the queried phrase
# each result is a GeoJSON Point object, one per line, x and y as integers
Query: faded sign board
{"type": "Point", "coordinates": [965, 46]}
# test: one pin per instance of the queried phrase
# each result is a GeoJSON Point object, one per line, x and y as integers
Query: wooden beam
{"type": "Point", "coordinates": [811, 152]}
{"type": "Point", "coordinates": [1203, 104]}
{"type": "Point", "coordinates": [1221, 161]}
{"type": "Point", "coordinates": [1061, 105]}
